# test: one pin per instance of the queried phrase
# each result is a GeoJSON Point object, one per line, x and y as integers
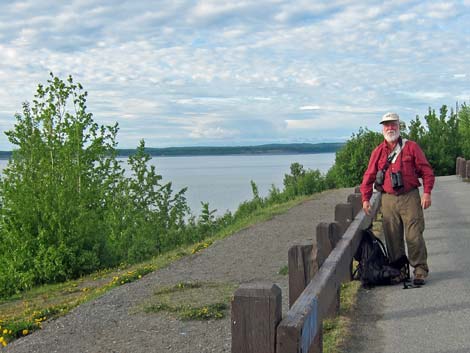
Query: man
{"type": "Point", "coordinates": [395, 166]}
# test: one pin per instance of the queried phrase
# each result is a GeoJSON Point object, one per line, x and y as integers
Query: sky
{"type": "Point", "coordinates": [228, 73]}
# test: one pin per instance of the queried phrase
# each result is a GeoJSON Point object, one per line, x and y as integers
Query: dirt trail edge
{"type": "Point", "coordinates": [116, 322]}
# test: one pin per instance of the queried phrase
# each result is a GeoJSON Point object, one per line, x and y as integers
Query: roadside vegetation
{"type": "Point", "coordinates": [73, 224]}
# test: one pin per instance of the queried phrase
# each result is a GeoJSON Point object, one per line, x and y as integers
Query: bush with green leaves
{"type": "Point", "coordinates": [303, 182]}
{"type": "Point", "coordinates": [464, 130]}
{"type": "Point", "coordinates": [351, 161]}
{"type": "Point", "coordinates": [439, 139]}
{"type": "Point", "coordinates": [66, 206]}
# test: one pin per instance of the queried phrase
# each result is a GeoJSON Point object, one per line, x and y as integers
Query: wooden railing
{"type": "Point", "coordinates": [316, 272]}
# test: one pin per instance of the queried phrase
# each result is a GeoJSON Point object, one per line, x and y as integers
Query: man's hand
{"type": "Point", "coordinates": [366, 207]}
{"type": "Point", "coordinates": [426, 200]}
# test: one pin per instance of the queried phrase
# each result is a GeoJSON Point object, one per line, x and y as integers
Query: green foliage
{"type": "Point", "coordinates": [301, 182]}
{"type": "Point", "coordinates": [351, 161]}
{"type": "Point", "coordinates": [52, 189]}
{"type": "Point", "coordinates": [464, 130]}
{"type": "Point", "coordinates": [439, 140]}
{"type": "Point", "coordinates": [284, 270]}
{"type": "Point", "coordinates": [67, 207]}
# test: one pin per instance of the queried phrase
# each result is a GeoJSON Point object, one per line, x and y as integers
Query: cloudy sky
{"type": "Point", "coordinates": [213, 72]}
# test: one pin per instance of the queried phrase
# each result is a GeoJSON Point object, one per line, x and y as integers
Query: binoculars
{"type": "Point", "coordinates": [396, 179]}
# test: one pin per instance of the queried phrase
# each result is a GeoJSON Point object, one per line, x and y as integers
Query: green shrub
{"type": "Point", "coordinates": [66, 206]}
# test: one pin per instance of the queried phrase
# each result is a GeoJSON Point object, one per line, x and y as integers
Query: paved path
{"type": "Point", "coordinates": [436, 317]}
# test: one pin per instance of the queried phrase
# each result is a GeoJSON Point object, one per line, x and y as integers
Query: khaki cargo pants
{"type": "Point", "coordinates": [403, 218]}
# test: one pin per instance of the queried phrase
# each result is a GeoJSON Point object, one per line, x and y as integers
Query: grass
{"type": "Point", "coordinates": [337, 331]}
{"type": "Point", "coordinates": [193, 300]}
{"type": "Point", "coordinates": [284, 270]}
{"type": "Point", "coordinates": [24, 313]}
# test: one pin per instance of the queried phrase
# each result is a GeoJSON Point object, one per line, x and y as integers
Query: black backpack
{"type": "Point", "coordinates": [374, 267]}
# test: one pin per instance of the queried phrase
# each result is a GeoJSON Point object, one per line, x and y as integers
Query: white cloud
{"type": "Point", "coordinates": [310, 107]}
{"type": "Point", "coordinates": [441, 10]}
{"type": "Point", "coordinates": [318, 124]}
{"type": "Point", "coordinates": [425, 95]}
{"type": "Point", "coordinates": [229, 64]}
{"type": "Point", "coordinates": [464, 97]}
{"type": "Point", "coordinates": [211, 133]}
{"type": "Point", "coordinates": [406, 17]}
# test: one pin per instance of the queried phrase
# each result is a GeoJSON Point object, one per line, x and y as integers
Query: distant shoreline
{"type": "Point", "coordinates": [268, 149]}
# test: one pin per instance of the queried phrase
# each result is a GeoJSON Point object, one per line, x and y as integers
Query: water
{"type": "Point", "coordinates": [224, 181]}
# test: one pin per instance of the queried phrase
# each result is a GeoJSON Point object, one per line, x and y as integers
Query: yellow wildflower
{"type": "Point", "coordinates": [25, 332]}
{"type": "Point", "coordinates": [5, 331]}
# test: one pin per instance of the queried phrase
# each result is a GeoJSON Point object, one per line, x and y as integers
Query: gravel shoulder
{"type": "Point", "coordinates": [116, 322]}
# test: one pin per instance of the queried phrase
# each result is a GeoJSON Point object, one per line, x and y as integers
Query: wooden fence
{"type": "Point", "coordinates": [462, 168]}
{"type": "Point", "coordinates": [316, 272]}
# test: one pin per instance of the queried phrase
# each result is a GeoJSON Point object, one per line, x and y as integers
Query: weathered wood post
{"type": "Point", "coordinates": [463, 168]}
{"type": "Point", "coordinates": [323, 236]}
{"type": "Point", "coordinates": [344, 215]}
{"type": "Point", "coordinates": [334, 233]}
{"type": "Point", "coordinates": [468, 170]}
{"type": "Point", "coordinates": [356, 201]}
{"type": "Point", "coordinates": [301, 269]}
{"type": "Point", "coordinates": [457, 166]}
{"type": "Point", "coordinates": [256, 312]}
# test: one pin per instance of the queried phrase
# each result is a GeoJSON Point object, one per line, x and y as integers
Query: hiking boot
{"type": "Point", "coordinates": [419, 278]}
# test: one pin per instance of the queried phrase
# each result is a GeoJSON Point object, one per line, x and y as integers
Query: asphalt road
{"type": "Point", "coordinates": [436, 317]}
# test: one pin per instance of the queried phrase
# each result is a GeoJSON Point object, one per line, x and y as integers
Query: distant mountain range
{"type": "Point", "coordinates": [276, 148]}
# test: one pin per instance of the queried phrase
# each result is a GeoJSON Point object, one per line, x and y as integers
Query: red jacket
{"type": "Point", "coordinates": [411, 162]}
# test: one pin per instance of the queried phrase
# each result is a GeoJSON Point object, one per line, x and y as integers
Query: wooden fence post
{"type": "Point", "coordinates": [457, 166]}
{"type": "Point", "coordinates": [463, 168]}
{"type": "Point", "coordinates": [301, 269]}
{"type": "Point", "coordinates": [356, 201]}
{"type": "Point", "coordinates": [323, 236]}
{"type": "Point", "coordinates": [344, 215]}
{"type": "Point", "coordinates": [256, 312]}
{"type": "Point", "coordinates": [334, 233]}
{"type": "Point", "coordinates": [468, 170]}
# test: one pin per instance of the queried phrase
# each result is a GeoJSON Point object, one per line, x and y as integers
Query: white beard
{"type": "Point", "coordinates": [391, 136]}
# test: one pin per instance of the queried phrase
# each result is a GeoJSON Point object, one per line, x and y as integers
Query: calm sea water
{"type": "Point", "coordinates": [224, 181]}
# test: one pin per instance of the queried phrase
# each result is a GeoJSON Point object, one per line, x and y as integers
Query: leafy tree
{"type": "Point", "coordinates": [302, 182]}
{"type": "Point", "coordinates": [67, 207]}
{"type": "Point", "coordinates": [52, 189]}
{"type": "Point", "coordinates": [439, 140]}
{"type": "Point", "coordinates": [464, 130]}
{"type": "Point", "coordinates": [351, 161]}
